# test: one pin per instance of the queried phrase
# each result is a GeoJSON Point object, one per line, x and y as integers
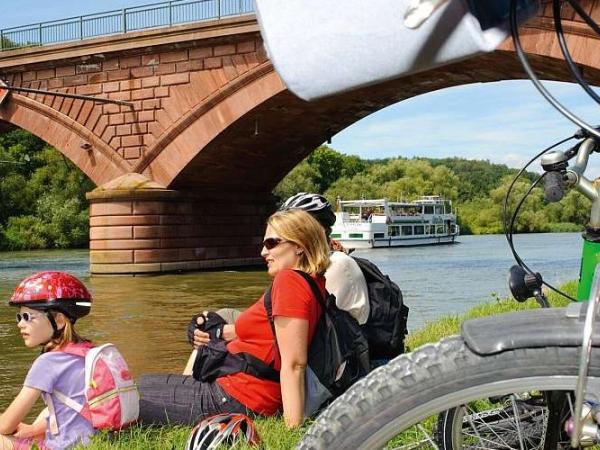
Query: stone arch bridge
{"type": "Point", "coordinates": [184, 173]}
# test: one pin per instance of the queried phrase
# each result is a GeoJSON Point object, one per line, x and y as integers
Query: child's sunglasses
{"type": "Point", "coordinates": [271, 243]}
{"type": "Point", "coordinates": [27, 316]}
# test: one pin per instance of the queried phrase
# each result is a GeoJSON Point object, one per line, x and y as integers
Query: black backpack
{"type": "Point", "coordinates": [338, 354]}
{"type": "Point", "coordinates": [385, 328]}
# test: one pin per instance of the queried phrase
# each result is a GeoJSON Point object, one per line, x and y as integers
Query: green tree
{"type": "Point", "coordinates": [301, 179]}
{"type": "Point", "coordinates": [42, 195]}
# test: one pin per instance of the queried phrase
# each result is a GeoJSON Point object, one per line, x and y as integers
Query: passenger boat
{"type": "Point", "coordinates": [380, 223]}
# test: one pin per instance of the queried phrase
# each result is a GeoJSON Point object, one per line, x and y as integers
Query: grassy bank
{"type": "Point", "coordinates": [272, 431]}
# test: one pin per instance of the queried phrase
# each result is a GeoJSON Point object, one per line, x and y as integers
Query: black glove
{"type": "Point", "coordinates": [213, 325]}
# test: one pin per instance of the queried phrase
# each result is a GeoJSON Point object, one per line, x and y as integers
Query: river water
{"type": "Point", "coordinates": [146, 316]}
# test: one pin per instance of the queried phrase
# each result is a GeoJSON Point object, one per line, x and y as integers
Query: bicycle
{"type": "Point", "coordinates": [505, 382]}
{"type": "Point", "coordinates": [524, 380]}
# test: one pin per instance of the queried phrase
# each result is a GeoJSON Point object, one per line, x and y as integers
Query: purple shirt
{"type": "Point", "coordinates": [65, 373]}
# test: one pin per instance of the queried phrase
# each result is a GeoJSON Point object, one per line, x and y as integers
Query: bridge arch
{"type": "Point", "coordinates": [88, 152]}
{"type": "Point", "coordinates": [211, 127]}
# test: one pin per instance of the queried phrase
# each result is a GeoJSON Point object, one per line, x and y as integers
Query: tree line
{"type": "Point", "coordinates": [43, 205]}
{"type": "Point", "coordinates": [476, 188]}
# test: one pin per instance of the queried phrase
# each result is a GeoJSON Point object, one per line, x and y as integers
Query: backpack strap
{"type": "Point", "coordinates": [268, 301]}
{"type": "Point", "coordinates": [79, 349]}
{"type": "Point", "coordinates": [78, 407]}
{"type": "Point", "coordinates": [257, 367]}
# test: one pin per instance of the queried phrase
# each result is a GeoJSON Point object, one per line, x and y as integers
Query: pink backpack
{"type": "Point", "coordinates": [112, 399]}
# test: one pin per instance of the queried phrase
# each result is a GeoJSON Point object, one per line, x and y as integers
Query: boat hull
{"type": "Point", "coordinates": [391, 242]}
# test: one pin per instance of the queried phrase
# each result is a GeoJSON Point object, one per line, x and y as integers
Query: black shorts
{"type": "Point", "coordinates": [179, 399]}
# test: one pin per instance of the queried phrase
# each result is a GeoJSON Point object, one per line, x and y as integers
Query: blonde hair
{"type": "Point", "coordinates": [299, 227]}
{"type": "Point", "coordinates": [67, 335]}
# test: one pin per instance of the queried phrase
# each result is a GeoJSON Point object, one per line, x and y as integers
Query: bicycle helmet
{"type": "Point", "coordinates": [58, 291]}
{"type": "Point", "coordinates": [315, 204]}
{"type": "Point", "coordinates": [226, 428]}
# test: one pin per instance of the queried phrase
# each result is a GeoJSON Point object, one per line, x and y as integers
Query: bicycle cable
{"type": "Point", "coordinates": [557, 5]}
{"type": "Point", "coordinates": [508, 192]}
{"type": "Point", "coordinates": [534, 79]}
{"type": "Point", "coordinates": [514, 218]}
{"type": "Point", "coordinates": [509, 225]}
{"type": "Point", "coordinates": [584, 15]}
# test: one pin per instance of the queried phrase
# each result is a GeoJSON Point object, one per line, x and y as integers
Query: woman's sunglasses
{"type": "Point", "coordinates": [27, 316]}
{"type": "Point", "coordinates": [271, 243]}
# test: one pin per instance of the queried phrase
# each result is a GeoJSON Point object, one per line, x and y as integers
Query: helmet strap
{"type": "Point", "coordinates": [57, 332]}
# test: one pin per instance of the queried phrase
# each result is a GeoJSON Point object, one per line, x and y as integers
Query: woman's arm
{"type": "Point", "coordinates": [292, 338]}
{"type": "Point", "coordinates": [18, 410]}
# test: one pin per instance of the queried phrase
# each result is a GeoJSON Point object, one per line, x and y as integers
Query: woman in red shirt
{"type": "Point", "coordinates": [293, 240]}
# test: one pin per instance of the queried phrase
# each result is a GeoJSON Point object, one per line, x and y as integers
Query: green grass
{"type": "Point", "coordinates": [274, 434]}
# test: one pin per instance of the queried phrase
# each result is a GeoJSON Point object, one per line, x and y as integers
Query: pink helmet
{"type": "Point", "coordinates": [58, 291]}
{"type": "Point", "coordinates": [228, 428]}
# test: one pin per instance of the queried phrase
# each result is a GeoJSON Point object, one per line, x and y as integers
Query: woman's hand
{"type": "Point", "coordinates": [292, 339]}
{"type": "Point", "coordinates": [202, 338]}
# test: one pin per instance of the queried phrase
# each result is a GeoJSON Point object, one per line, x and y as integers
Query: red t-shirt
{"type": "Point", "coordinates": [291, 296]}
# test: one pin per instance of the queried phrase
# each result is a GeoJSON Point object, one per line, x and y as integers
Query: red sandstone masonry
{"type": "Point", "coordinates": [169, 57]}
{"type": "Point", "coordinates": [111, 256]}
{"type": "Point", "coordinates": [65, 71]}
{"type": "Point", "coordinates": [202, 52]}
{"type": "Point", "coordinates": [119, 232]}
{"type": "Point", "coordinates": [131, 152]}
{"type": "Point", "coordinates": [125, 244]}
{"type": "Point", "coordinates": [140, 72]}
{"type": "Point", "coordinates": [142, 94]}
{"type": "Point", "coordinates": [129, 62]}
{"type": "Point", "coordinates": [178, 78]}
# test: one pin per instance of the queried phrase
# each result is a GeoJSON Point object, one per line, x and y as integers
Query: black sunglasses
{"type": "Point", "coordinates": [271, 243]}
{"type": "Point", "coordinates": [27, 316]}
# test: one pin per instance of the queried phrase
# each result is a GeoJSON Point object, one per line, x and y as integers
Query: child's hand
{"type": "Point", "coordinates": [26, 431]}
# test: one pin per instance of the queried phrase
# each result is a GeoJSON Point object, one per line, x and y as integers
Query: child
{"type": "Point", "coordinates": [49, 304]}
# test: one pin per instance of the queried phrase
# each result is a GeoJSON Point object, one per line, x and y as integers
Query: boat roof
{"type": "Point", "coordinates": [375, 202]}
{"type": "Point", "coordinates": [426, 199]}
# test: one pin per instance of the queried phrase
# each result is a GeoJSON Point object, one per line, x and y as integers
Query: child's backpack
{"type": "Point", "coordinates": [112, 398]}
{"type": "Point", "coordinates": [386, 326]}
{"type": "Point", "coordinates": [338, 355]}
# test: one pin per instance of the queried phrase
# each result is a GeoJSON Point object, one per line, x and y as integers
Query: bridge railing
{"type": "Point", "coordinates": [155, 15]}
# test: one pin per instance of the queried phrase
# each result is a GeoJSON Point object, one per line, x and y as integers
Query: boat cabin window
{"type": "Point", "coordinates": [428, 209]}
{"type": "Point", "coordinates": [439, 209]}
{"type": "Point", "coordinates": [335, 235]}
{"type": "Point", "coordinates": [379, 235]}
{"type": "Point", "coordinates": [440, 229]}
{"type": "Point", "coordinates": [356, 235]}
{"type": "Point", "coordinates": [394, 231]}
{"type": "Point", "coordinates": [407, 230]}
{"type": "Point", "coordinates": [419, 229]}
{"type": "Point", "coordinates": [431, 229]}
{"type": "Point", "coordinates": [405, 210]}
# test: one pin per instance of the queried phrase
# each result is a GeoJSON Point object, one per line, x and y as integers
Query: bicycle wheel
{"type": "Point", "coordinates": [505, 422]}
{"type": "Point", "coordinates": [398, 405]}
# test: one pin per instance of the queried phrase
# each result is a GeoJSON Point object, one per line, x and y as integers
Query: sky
{"type": "Point", "coordinates": [505, 122]}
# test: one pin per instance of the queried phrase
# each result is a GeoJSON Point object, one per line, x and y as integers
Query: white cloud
{"type": "Point", "coordinates": [504, 122]}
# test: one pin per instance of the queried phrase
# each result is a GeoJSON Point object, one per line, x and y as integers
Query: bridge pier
{"type": "Point", "coordinates": [139, 227]}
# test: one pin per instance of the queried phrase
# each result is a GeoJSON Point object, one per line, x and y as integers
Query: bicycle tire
{"type": "Point", "coordinates": [433, 379]}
